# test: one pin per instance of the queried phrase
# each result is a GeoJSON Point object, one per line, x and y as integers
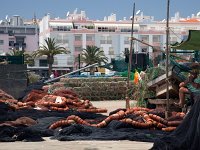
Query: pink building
{"type": "Point", "coordinates": [15, 34]}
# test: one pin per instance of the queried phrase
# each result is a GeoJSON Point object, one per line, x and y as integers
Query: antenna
{"type": "Point", "coordinates": [1, 21]}
{"type": "Point", "coordinates": [137, 12]}
{"type": "Point", "coordinates": [67, 14]}
{"type": "Point", "coordinates": [6, 17]}
{"type": "Point", "coordinates": [198, 14]}
{"type": "Point", "coordinates": [163, 20]}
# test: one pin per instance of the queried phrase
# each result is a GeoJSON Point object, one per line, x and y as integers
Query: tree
{"type": "Point", "coordinates": [28, 57]}
{"type": "Point", "coordinates": [50, 49]}
{"type": "Point", "coordinates": [15, 52]}
{"type": "Point", "coordinates": [91, 55]}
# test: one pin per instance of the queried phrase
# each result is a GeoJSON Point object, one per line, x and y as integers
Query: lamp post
{"type": "Point", "coordinates": [167, 60]}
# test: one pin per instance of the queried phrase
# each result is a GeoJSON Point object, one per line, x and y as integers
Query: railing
{"type": "Point", "coordinates": [51, 80]}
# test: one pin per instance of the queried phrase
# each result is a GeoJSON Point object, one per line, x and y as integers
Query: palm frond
{"type": "Point", "coordinates": [50, 49]}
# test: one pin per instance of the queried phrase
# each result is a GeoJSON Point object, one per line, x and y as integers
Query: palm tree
{"type": "Point", "coordinates": [28, 57]}
{"type": "Point", "coordinates": [15, 52]}
{"type": "Point", "coordinates": [50, 49]}
{"type": "Point", "coordinates": [91, 55]}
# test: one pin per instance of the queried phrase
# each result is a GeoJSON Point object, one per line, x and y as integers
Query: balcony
{"type": "Point", "coordinates": [19, 45]}
{"type": "Point", "coordinates": [11, 43]}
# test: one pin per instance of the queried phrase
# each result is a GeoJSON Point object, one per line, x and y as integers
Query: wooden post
{"type": "Point", "coordinates": [130, 59]}
{"type": "Point", "coordinates": [167, 61]}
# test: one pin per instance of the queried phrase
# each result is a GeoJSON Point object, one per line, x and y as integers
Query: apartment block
{"type": "Point", "coordinates": [76, 31]}
{"type": "Point", "coordinates": [16, 34]}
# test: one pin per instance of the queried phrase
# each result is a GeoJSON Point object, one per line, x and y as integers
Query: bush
{"type": "Point", "coordinates": [33, 77]}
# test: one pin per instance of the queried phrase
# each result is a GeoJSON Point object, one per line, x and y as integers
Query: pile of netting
{"type": "Point", "coordinates": [187, 135]}
{"type": "Point", "coordinates": [35, 117]}
{"type": "Point", "coordinates": [60, 100]}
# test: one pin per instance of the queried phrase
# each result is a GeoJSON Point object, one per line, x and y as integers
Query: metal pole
{"type": "Point", "coordinates": [51, 80]}
{"type": "Point", "coordinates": [167, 59]}
{"type": "Point", "coordinates": [79, 63]}
{"type": "Point", "coordinates": [130, 59]}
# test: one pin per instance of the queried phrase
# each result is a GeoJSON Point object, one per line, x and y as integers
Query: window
{"type": "Point", "coordinates": [11, 43]}
{"type": "Point", "coordinates": [20, 30]}
{"type": "Point", "coordinates": [106, 29]}
{"type": "Point", "coordinates": [111, 51]}
{"type": "Point", "coordinates": [126, 51]}
{"type": "Point", "coordinates": [61, 28]}
{"type": "Point", "coordinates": [144, 50]}
{"type": "Point", "coordinates": [1, 42]}
{"type": "Point", "coordinates": [143, 27]}
{"type": "Point", "coordinates": [59, 39]}
{"type": "Point", "coordinates": [43, 63]}
{"type": "Point", "coordinates": [10, 32]}
{"type": "Point", "coordinates": [78, 37]}
{"type": "Point", "coordinates": [89, 37]}
{"type": "Point", "coordinates": [70, 62]}
{"type": "Point", "coordinates": [103, 40]}
{"type": "Point", "coordinates": [106, 40]}
{"type": "Point", "coordinates": [3, 29]}
{"type": "Point", "coordinates": [126, 40]}
{"type": "Point", "coordinates": [88, 27]}
{"type": "Point", "coordinates": [29, 31]}
{"type": "Point", "coordinates": [19, 39]}
{"type": "Point", "coordinates": [128, 30]}
{"type": "Point", "coordinates": [55, 61]}
{"type": "Point", "coordinates": [156, 38]}
{"type": "Point", "coordinates": [65, 39]}
{"type": "Point", "coordinates": [109, 40]}
{"type": "Point", "coordinates": [78, 48]}
{"type": "Point", "coordinates": [145, 38]}
{"type": "Point", "coordinates": [173, 39]}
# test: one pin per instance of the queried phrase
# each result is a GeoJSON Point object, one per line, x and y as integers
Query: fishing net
{"type": "Point", "coordinates": [115, 130]}
{"type": "Point", "coordinates": [187, 135]}
{"type": "Point", "coordinates": [21, 132]}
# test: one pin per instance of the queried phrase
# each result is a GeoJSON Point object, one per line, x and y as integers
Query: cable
{"type": "Point", "coordinates": [175, 34]}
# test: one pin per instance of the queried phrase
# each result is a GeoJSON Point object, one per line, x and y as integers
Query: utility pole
{"type": "Point", "coordinates": [167, 60]}
{"type": "Point", "coordinates": [130, 60]}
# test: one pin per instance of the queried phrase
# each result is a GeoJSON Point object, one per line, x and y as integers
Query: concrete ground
{"type": "Point", "coordinates": [82, 145]}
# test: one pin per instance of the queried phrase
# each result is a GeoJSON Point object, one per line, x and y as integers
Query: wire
{"type": "Point", "coordinates": [175, 34]}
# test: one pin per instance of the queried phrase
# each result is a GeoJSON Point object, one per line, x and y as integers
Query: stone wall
{"type": "Point", "coordinates": [13, 79]}
{"type": "Point", "coordinates": [101, 88]}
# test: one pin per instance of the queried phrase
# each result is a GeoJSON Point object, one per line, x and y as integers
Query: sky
{"type": "Point", "coordinates": [97, 9]}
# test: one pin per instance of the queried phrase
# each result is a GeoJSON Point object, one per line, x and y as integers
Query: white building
{"type": "Point", "coordinates": [76, 31]}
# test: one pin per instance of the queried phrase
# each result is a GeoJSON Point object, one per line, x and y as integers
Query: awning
{"type": "Point", "coordinates": [192, 43]}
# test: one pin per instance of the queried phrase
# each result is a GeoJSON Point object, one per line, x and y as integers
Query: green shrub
{"type": "Point", "coordinates": [33, 77]}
